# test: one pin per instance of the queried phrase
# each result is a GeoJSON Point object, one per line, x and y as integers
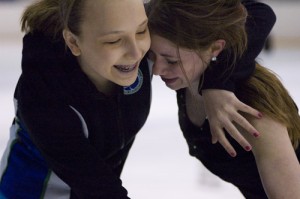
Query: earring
{"type": "Point", "coordinates": [214, 59]}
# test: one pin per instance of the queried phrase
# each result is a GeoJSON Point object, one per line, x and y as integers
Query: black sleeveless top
{"type": "Point", "coordinates": [241, 170]}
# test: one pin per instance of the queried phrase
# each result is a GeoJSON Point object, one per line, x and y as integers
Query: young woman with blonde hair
{"type": "Point", "coordinates": [83, 74]}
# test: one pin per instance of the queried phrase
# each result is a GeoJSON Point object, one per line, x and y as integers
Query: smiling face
{"type": "Point", "coordinates": [114, 38]}
{"type": "Point", "coordinates": [167, 63]}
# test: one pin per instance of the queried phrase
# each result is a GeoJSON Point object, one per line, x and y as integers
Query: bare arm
{"type": "Point", "coordinates": [222, 107]}
{"type": "Point", "coordinates": [276, 160]}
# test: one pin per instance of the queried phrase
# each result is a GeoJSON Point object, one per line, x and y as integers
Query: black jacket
{"type": "Point", "coordinates": [83, 135]}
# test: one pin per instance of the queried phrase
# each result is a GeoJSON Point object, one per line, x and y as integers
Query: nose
{"type": "Point", "coordinates": [159, 67]}
{"type": "Point", "coordinates": [133, 51]}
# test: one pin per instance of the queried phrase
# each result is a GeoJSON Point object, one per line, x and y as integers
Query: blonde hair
{"type": "Point", "coordinates": [52, 16]}
{"type": "Point", "coordinates": [264, 91]}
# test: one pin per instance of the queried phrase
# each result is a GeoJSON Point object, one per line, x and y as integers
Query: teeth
{"type": "Point", "coordinates": [125, 68]}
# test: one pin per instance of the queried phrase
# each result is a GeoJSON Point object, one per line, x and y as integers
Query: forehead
{"type": "Point", "coordinates": [164, 46]}
{"type": "Point", "coordinates": [106, 15]}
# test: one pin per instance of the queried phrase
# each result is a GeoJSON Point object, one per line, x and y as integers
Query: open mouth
{"type": "Point", "coordinates": [126, 68]}
{"type": "Point", "coordinates": [169, 81]}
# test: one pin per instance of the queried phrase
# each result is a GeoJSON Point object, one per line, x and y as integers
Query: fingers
{"type": "Point", "coordinates": [226, 114]}
{"type": "Point", "coordinates": [235, 134]}
{"type": "Point", "coordinates": [241, 121]}
{"type": "Point", "coordinates": [248, 109]}
{"type": "Point", "coordinates": [219, 136]}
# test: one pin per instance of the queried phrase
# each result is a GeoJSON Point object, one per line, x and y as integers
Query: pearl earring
{"type": "Point", "coordinates": [214, 59]}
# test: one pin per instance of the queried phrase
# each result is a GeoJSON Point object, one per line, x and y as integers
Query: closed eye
{"type": "Point", "coordinates": [172, 62]}
{"type": "Point", "coordinates": [113, 42]}
{"type": "Point", "coordinates": [142, 32]}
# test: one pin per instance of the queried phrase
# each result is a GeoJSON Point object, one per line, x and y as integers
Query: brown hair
{"type": "Point", "coordinates": [52, 16]}
{"type": "Point", "coordinates": [195, 24]}
{"type": "Point", "coordinates": [264, 91]}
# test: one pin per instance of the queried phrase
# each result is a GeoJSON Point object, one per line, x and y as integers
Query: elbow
{"type": "Point", "coordinates": [270, 16]}
{"type": "Point", "coordinates": [261, 18]}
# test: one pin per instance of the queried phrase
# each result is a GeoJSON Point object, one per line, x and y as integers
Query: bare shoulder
{"type": "Point", "coordinates": [267, 124]}
{"type": "Point", "coordinates": [273, 136]}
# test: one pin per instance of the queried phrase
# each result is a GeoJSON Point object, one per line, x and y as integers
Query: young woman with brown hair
{"type": "Point", "coordinates": [187, 36]}
{"type": "Point", "coordinates": [221, 105]}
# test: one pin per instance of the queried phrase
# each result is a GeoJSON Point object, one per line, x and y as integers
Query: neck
{"type": "Point", "coordinates": [108, 89]}
{"type": "Point", "coordinates": [193, 88]}
{"type": "Point", "coordinates": [103, 85]}
{"type": "Point", "coordinates": [195, 105]}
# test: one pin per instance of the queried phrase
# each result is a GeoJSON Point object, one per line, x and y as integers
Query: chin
{"type": "Point", "coordinates": [175, 88]}
{"type": "Point", "coordinates": [127, 81]}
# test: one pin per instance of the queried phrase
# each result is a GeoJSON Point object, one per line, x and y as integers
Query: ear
{"type": "Point", "coordinates": [72, 42]}
{"type": "Point", "coordinates": [217, 47]}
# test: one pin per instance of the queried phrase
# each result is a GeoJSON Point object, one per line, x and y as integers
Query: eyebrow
{"type": "Point", "coordinates": [119, 31]}
{"type": "Point", "coordinates": [163, 54]}
{"type": "Point", "coordinates": [167, 55]}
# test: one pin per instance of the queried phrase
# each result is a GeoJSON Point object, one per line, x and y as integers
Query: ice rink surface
{"type": "Point", "coordinates": [159, 165]}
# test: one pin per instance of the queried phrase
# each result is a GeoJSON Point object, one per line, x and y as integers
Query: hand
{"type": "Point", "coordinates": [222, 108]}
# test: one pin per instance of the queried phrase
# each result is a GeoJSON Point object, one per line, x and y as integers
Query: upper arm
{"type": "Point", "coordinates": [275, 157]}
{"type": "Point", "coordinates": [273, 134]}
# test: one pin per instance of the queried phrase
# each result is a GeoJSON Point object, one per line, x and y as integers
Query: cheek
{"type": "Point", "coordinates": [146, 43]}
{"type": "Point", "coordinates": [89, 52]}
{"type": "Point", "coordinates": [106, 56]}
{"type": "Point", "coordinates": [194, 71]}
{"type": "Point", "coordinates": [190, 70]}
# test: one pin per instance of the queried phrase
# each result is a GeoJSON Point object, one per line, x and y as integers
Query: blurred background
{"type": "Point", "coordinates": [159, 165]}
